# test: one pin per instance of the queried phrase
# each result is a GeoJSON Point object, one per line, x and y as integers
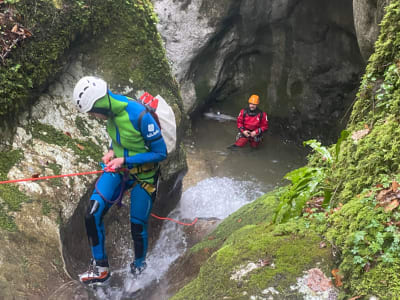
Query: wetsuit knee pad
{"type": "Point", "coordinates": [90, 223]}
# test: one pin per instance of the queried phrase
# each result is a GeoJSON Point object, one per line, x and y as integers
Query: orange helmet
{"type": "Point", "coordinates": [254, 99]}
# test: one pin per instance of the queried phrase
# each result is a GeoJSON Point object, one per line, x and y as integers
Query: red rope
{"type": "Point", "coordinates": [173, 220]}
{"type": "Point", "coordinates": [88, 173]}
{"type": "Point", "coordinates": [49, 177]}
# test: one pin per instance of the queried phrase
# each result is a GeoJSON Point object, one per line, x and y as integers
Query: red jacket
{"type": "Point", "coordinates": [252, 120]}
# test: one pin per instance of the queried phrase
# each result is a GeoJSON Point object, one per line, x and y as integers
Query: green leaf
{"type": "Point", "coordinates": [343, 136]}
{"type": "Point", "coordinates": [359, 236]}
{"type": "Point", "coordinates": [316, 146]}
{"type": "Point", "coordinates": [327, 198]}
{"type": "Point", "coordinates": [359, 260]}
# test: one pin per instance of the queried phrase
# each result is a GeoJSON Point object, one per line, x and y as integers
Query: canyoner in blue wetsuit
{"type": "Point", "coordinates": [136, 147]}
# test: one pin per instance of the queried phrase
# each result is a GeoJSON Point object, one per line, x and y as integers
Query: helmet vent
{"type": "Point", "coordinates": [87, 91]}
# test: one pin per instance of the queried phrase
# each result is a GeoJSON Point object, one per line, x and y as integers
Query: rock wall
{"type": "Point", "coordinates": [367, 17]}
{"type": "Point", "coordinates": [42, 230]}
{"type": "Point", "coordinates": [301, 57]}
{"type": "Point", "coordinates": [360, 223]}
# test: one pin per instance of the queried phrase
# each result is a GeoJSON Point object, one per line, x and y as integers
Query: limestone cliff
{"type": "Point", "coordinates": [42, 222]}
{"type": "Point", "coordinates": [346, 198]}
{"type": "Point", "coordinates": [301, 57]}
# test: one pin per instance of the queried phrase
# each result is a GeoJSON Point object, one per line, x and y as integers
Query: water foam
{"type": "Point", "coordinates": [218, 197]}
{"type": "Point", "coordinates": [214, 197]}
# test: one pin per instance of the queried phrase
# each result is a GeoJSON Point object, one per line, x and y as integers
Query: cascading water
{"type": "Point", "coordinates": [196, 202]}
{"type": "Point", "coordinates": [218, 183]}
{"type": "Point", "coordinates": [225, 195]}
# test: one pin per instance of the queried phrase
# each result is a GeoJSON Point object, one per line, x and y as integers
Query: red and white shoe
{"type": "Point", "coordinates": [96, 274]}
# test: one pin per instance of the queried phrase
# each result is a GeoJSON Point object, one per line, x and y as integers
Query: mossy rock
{"type": "Point", "coordinates": [247, 237]}
{"type": "Point", "coordinates": [285, 258]}
{"type": "Point", "coordinates": [32, 215]}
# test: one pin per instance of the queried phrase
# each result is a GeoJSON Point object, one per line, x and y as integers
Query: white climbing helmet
{"type": "Point", "coordinates": [87, 91]}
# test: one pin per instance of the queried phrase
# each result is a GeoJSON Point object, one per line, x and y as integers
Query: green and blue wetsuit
{"type": "Point", "coordinates": [142, 146]}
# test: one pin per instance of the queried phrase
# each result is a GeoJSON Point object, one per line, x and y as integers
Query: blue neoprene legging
{"type": "Point", "coordinates": [109, 186]}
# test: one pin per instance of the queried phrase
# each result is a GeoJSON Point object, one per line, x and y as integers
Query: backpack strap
{"type": "Point", "coordinates": [147, 110]}
{"type": "Point", "coordinates": [141, 117]}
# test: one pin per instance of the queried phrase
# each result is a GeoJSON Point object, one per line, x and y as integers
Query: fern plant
{"type": "Point", "coordinates": [307, 182]}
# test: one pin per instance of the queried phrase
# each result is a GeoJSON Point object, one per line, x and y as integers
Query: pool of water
{"type": "Point", "coordinates": [208, 156]}
{"type": "Point", "coordinates": [219, 181]}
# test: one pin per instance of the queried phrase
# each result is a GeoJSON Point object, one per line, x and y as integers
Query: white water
{"type": "Point", "coordinates": [218, 197]}
{"type": "Point", "coordinates": [218, 183]}
{"type": "Point", "coordinates": [213, 197]}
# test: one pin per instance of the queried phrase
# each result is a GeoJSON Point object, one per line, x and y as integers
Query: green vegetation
{"type": "Point", "coordinates": [10, 195]}
{"type": "Point", "coordinates": [81, 125]}
{"type": "Point", "coordinates": [253, 213]}
{"type": "Point", "coordinates": [46, 207]}
{"type": "Point", "coordinates": [58, 25]}
{"type": "Point", "coordinates": [50, 135]}
{"type": "Point", "coordinates": [136, 58]}
{"type": "Point", "coordinates": [362, 217]}
{"type": "Point", "coordinates": [307, 182]}
{"type": "Point", "coordinates": [248, 236]}
{"type": "Point", "coordinates": [348, 195]}
{"type": "Point", "coordinates": [56, 168]}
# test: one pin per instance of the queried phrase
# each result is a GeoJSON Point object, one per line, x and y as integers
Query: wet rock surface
{"type": "Point", "coordinates": [367, 17]}
{"type": "Point", "coordinates": [301, 57]}
{"type": "Point", "coordinates": [50, 244]}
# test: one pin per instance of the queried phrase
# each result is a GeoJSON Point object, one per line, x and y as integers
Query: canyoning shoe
{"type": "Point", "coordinates": [97, 274]}
{"type": "Point", "coordinates": [136, 271]}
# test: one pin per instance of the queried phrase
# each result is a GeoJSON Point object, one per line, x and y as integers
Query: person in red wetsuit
{"type": "Point", "coordinates": [251, 122]}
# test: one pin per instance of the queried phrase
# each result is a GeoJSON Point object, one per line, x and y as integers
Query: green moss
{"type": "Point", "coordinates": [55, 27]}
{"type": "Point", "coordinates": [255, 243]}
{"type": "Point", "coordinates": [364, 163]}
{"type": "Point", "coordinates": [6, 221]}
{"type": "Point", "coordinates": [8, 160]}
{"type": "Point", "coordinates": [367, 240]}
{"type": "Point", "coordinates": [248, 236]}
{"type": "Point", "coordinates": [11, 196]}
{"type": "Point", "coordinates": [261, 210]}
{"type": "Point", "coordinates": [383, 280]}
{"type": "Point", "coordinates": [50, 135]}
{"type": "Point", "coordinates": [81, 125]}
{"type": "Point", "coordinates": [46, 207]}
{"type": "Point", "coordinates": [137, 58]}
{"type": "Point", "coordinates": [56, 168]}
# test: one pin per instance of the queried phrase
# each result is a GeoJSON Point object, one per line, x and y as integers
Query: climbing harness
{"type": "Point", "coordinates": [148, 187]}
{"type": "Point", "coordinates": [144, 168]}
{"type": "Point", "coordinates": [125, 178]}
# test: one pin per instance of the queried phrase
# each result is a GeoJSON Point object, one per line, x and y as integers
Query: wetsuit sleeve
{"type": "Point", "coordinates": [263, 123]}
{"type": "Point", "coordinates": [151, 133]}
{"type": "Point", "coordinates": [240, 121]}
